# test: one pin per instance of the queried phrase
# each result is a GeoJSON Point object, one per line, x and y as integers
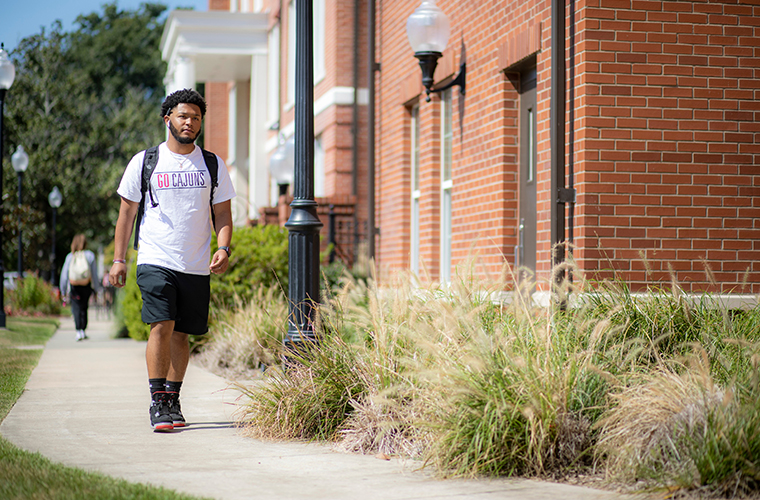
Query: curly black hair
{"type": "Point", "coordinates": [184, 96]}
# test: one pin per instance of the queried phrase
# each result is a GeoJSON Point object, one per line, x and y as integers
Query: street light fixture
{"type": "Point", "coordinates": [20, 161]}
{"type": "Point", "coordinates": [281, 163]}
{"type": "Point", "coordinates": [428, 32]}
{"type": "Point", "coordinates": [55, 198]}
{"type": "Point", "coordinates": [7, 75]}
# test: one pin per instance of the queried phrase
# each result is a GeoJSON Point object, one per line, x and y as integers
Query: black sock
{"type": "Point", "coordinates": [157, 385]}
{"type": "Point", "coordinates": [173, 386]}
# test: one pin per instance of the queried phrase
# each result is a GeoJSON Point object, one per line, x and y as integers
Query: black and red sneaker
{"type": "Point", "coordinates": [175, 410]}
{"type": "Point", "coordinates": [160, 418]}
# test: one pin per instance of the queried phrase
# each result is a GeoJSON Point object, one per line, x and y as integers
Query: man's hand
{"type": "Point", "coordinates": [219, 262]}
{"type": "Point", "coordinates": [118, 275]}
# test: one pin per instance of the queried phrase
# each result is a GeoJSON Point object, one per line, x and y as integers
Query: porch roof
{"type": "Point", "coordinates": [220, 43]}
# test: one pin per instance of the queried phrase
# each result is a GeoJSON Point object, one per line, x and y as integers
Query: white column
{"type": "Point", "coordinates": [239, 125]}
{"type": "Point", "coordinates": [258, 173]}
{"type": "Point", "coordinates": [184, 74]}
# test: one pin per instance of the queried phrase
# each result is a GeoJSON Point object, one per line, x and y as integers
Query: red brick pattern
{"type": "Point", "coordinates": [216, 123]}
{"type": "Point", "coordinates": [667, 138]}
{"type": "Point", "coordinates": [485, 149]}
{"type": "Point", "coordinates": [665, 135]}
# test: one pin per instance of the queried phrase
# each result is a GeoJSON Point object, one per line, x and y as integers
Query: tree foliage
{"type": "Point", "coordinates": [83, 103]}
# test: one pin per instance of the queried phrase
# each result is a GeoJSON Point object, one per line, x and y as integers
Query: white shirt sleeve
{"type": "Point", "coordinates": [131, 182]}
{"type": "Point", "coordinates": [63, 283]}
{"type": "Point", "coordinates": [225, 190]}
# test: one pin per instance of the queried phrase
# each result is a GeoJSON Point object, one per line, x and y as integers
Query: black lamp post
{"type": "Point", "coordinates": [20, 161]}
{"type": "Point", "coordinates": [303, 224]}
{"type": "Point", "coordinates": [7, 75]}
{"type": "Point", "coordinates": [427, 29]}
{"type": "Point", "coordinates": [54, 198]}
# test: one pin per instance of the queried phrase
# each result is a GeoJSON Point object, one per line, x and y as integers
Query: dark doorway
{"type": "Point", "coordinates": [527, 229]}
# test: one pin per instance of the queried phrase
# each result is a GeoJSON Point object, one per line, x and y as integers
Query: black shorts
{"type": "Point", "coordinates": [174, 296]}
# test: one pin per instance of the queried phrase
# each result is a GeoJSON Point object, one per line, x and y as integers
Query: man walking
{"type": "Point", "coordinates": [174, 236]}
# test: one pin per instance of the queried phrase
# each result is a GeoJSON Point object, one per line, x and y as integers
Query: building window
{"type": "Point", "coordinates": [415, 164]}
{"type": "Point", "coordinates": [273, 86]}
{"type": "Point", "coordinates": [531, 145]}
{"type": "Point", "coordinates": [446, 185]}
{"type": "Point", "coordinates": [318, 44]}
{"type": "Point", "coordinates": [319, 168]}
{"type": "Point", "coordinates": [319, 40]}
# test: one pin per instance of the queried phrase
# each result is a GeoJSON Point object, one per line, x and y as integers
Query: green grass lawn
{"type": "Point", "coordinates": [25, 475]}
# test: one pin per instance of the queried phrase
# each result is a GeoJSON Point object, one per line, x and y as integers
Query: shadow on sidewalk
{"type": "Point", "coordinates": [205, 425]}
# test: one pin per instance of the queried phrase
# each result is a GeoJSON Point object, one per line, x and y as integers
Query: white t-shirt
{"type": "Point", "coordinates": [176, 234]}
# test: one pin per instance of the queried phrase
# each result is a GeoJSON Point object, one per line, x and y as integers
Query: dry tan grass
{"type": "Point", "coordinates": [248, 339]}
{"type": "Point", "coordinates": [380, 425]}
{"type": "Point", "coordinates": [649, 416]}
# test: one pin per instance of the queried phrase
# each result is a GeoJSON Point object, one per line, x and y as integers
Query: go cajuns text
{"type": "Point", "coordinates": [174, 180]}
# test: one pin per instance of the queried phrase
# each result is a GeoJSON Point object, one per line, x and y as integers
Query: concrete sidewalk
{"type": "Point", "coordinates": [86, 405]}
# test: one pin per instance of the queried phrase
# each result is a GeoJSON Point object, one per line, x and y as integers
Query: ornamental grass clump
{"type": "Point", "coordinates": [309, 400]}
{"type": "Point", "coordinates": [519, 394]}
{"type": "Point", "coordinates": [676, 429]}
{"type": "Point", "coordinates": [653, 325]}
{"type": "Point", "coordinates": [475, 377]}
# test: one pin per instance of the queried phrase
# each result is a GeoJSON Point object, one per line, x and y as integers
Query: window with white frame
{"type": "Point", "coordinates": [273, 86]}
{"type": "Point", "coordinates": [319, 168]}
{"type": "Point", "coordinates": [318, 45]}
{"type": "Point", "coordinates": [319, 40]}
{"type": "Point", "coordinates": [446, 185]}
{"type": "Point", "coordinates": [415, 164]}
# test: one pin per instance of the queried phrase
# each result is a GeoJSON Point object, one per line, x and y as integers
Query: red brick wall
{"type": "Point", "coordinates": [667, 141]}
{"type": "Point", "coordinates": [217, 95]}
{"type": "Point", "coordinates": [485, 149]}
{"type": "Point", "coordinates": [665, 138]}
{"type": "Point", "coordinates": [216, 126]}
{"type": "Point", "coordinates": [218, 4]}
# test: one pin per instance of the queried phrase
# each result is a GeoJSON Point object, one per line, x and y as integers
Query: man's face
{"type": "Point", "coordinates": [185, 122]}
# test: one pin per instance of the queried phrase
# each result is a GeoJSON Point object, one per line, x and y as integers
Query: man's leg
{"type": "Point", "coordinates": [158, 355]}
{"type": "Point", "coordinates": [180, 356]}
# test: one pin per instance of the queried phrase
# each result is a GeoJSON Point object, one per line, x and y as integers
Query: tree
{"type": "Point", "coordinates": [82, 105]}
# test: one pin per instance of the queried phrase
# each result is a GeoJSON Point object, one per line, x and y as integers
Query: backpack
{"type": "Point", "coordinates": [79, 269]}
{"type": "Point", "coordinates": [150, 160]}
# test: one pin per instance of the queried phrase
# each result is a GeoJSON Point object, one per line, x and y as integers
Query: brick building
{"type": "Point", "coordinates": [242, 53]}
{"type": "Point", "coordinates": [663, 141]}
{"type": "Point", "coordinates": [661, 135]}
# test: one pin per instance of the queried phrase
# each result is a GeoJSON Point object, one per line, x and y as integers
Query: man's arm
{"type": "Point", "coordinates": [127, 213]}
{"type": "Point", "coordinates": [223, 219]}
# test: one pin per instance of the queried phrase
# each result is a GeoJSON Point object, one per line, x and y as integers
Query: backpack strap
{"type": "Point", "coordinates": [212, 164]}
{"type": "Point", "coordinates": [150, 160]}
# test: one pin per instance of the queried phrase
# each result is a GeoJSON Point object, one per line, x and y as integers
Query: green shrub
{"type": "Point", "coordinates": [33, 295]}
{"type": "Point", "coordinates": [259, 258]}
{"type": "Point", "coordinates": [131, 305]}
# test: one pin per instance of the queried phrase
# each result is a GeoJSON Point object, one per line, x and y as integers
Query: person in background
{"type": "Point", "coordinates": [79, 278]}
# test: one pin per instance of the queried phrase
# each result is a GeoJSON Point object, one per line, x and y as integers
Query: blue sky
{"type": "Point", "coordinates": [22, 18]}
